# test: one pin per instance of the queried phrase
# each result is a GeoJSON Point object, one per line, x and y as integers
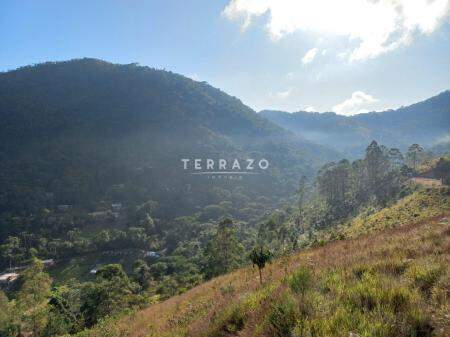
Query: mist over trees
{"type": "Point", "coordinates": [425, 122]}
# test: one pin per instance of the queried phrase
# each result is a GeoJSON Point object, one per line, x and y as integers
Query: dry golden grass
{"type": "Point", "coordinates": [198, 312]}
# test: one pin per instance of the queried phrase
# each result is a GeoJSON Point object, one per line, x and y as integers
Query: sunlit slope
{"type": "Point", "coordinates": [419, 206]}
{"type": "Point", "coordinates": [393, 282]}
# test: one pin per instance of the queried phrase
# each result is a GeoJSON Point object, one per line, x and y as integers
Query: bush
{"type": "Point", "coordinates": [300, 281]}
{"type": "Point", "coordinates": [235, 320]}
{"type": "Point", "coordinates": [366, 294]}
{"type": "Point", "coordinates": [282, 318]}
{"type": "Point", "coordinates": [230, 321]}
{"type": "Point", "coordinates": [420, 325]}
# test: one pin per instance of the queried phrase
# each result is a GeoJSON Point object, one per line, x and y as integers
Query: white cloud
{"type": "Point", "coordinates": [284, 94]}
{"type": "Point", "coordinates": [310, 109]}
{"type": "Point", "coordinates": [309, 56]}
{"type": "Point", "coordinates": [358, 103]}
{"type": "Point", "coordinates": [373, 27]}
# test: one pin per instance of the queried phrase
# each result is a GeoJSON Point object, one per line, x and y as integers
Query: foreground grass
{"type": "Point", "coordinates": [394, 282]}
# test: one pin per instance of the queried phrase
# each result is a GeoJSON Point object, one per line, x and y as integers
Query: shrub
{"type": "Point", "coordinates": [235, 320]}
{"type": "Point", "coordinates": [398, 298]}
{"type": "Point", "coordinates": [282, 318]}
{"type": "Point", "coordinates": [300, 281]}
{"type": "Point", "coordinates": [365, 295]}
{"type": "Point", "coordinates": [420, 325]}
{"type": "Point", "coordinates": [227, 290]}
{"type": "Point", "coordinates": [230, 321]}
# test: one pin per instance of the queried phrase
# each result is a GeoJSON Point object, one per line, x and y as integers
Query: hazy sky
{"type": "Point", "coordinates": [348, 56]}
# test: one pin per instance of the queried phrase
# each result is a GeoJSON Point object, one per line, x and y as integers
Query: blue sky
{"type": "Point", "coordinates": [272, 54]}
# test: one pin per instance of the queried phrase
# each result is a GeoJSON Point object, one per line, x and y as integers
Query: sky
{"type": "Point", "coordinates": [349, 57]}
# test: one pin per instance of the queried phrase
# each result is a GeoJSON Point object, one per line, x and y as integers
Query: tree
{"type": "Point", "coordinates": [333, 182]}
{"type": "Point", "coordinates": [376, 164]}
{"type": "Point", "coordinates": [9, 320]}
{"type": "Point", "coordinates": [259, 257]}
{"type": "Point", "coordinates": [11, 250]}
{"type": "Point", "coordinates": [414, 154]}
{"type": "Point", "coordinates": [33, 298]}
{"type": "Point", "coordinates": [223, 252]}
{"type": "Point", "coordinates": [141, 272]}
{"type": "Point", "coordinates": [395, 158]}
{"type": "Point", "coordinates": [377, 171]}
{"type": "Point", "coordinates": [111, 292]}
{"type": "Point", "coordinates": [442, 170]}
{"type": "Point", "coordinates": [65, 316]}
{"type": "Point", "coordinates": [301, 195]}
{"type": "Point", "coordinates": [148, 223]}
{"type": "Point", "coordinates": [301, 192]}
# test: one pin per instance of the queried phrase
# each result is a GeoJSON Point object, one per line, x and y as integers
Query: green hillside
{"type": "Point", "coordinates": [420, 206]}
{"type": "Point", "coordinates": [391, 283]}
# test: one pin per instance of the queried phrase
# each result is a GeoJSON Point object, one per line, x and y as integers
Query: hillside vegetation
{"type": "Point", "coordinates": [392, 283]}
{"type": "Point", "coordinates": [422, 205]}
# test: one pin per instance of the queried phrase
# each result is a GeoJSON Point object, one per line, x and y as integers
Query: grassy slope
{"type": "Point", "coordinates": [391, 283]}
{"type": "Point", "coordinates": [419, 206]}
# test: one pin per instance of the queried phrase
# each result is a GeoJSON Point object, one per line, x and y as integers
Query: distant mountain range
{"type": "Point", "coordinates": [427, 123]}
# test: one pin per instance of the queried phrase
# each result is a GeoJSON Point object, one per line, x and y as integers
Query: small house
{"type": "Point", "coordinates": [8, 277]}
{"type": "Point", "coordinates": [116, 207]}
{"type": "Point", "coordinates": [152, 254]}
{"type": "Point", "coordinates": [64, 208]}
{"type": "Point", "coordinates": [49, 262]}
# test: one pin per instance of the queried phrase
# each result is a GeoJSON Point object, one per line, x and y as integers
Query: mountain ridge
{"type": "Point", "coordinates": [426, 122]}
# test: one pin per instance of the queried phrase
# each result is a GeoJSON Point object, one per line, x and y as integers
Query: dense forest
{"type": "Point", "coordinates": [87, 133]}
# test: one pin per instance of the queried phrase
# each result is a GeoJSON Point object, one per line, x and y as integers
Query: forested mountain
{"type": "Point", "coordinates": [80, 136]}
{"type": "Point", "coordinates": [86, 130]}
{"type": "Point", "coordinates": [426, 123]}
